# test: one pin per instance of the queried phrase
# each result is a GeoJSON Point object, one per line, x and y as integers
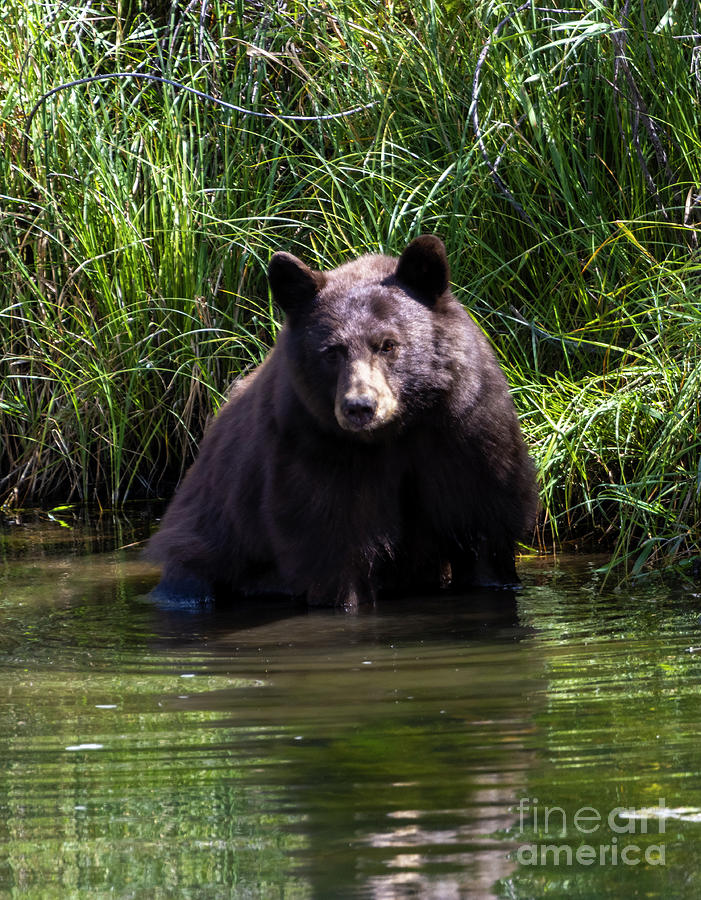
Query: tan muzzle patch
{"type": "Point", "coordinates": [364, 399]}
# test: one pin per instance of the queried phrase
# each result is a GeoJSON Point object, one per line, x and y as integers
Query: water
{"type": "Point", "coordinates": [442, 748]}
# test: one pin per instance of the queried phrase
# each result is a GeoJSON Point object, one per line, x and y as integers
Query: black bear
{"type": "Point", "coordinates": [376, 447]}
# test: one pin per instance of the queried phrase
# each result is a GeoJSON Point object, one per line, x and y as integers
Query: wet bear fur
{"type": "Point", "coordinates": [376, 447]}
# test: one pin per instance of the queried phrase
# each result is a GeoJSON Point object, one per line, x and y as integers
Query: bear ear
{"type": "Point", "coordinates": [294, 285]}
{"type": "Point", "coordinates": [424, 269]}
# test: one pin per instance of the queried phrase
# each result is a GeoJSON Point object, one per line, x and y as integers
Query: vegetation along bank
{"type": "Point", "coordinates": [555, 148]}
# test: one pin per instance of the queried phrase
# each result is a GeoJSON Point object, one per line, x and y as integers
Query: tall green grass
{"type": "Point", "coordinates": [557, 151]}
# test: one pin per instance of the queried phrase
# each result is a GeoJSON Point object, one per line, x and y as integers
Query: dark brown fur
{"type": "Point", "coordinates": [377, 446]}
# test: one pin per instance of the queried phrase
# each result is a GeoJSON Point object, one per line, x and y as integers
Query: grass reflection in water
{"type": "Point", "coordinates": [410, 750]}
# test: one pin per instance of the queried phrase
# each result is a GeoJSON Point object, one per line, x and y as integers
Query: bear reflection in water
{"type": "Point", "coordinates": [376, 448]}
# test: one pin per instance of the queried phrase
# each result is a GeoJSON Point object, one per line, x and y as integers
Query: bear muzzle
{"type": "Point", "coordinates": [364, 398]}
{"type": "Point", "coordinates": [358, 411]}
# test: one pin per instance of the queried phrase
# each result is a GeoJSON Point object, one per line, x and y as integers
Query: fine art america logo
{"type": "Point", "coordinates": [609, 838]}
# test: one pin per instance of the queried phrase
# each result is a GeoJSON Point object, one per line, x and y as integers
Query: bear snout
{"type": "Point", "coordinates": [359, 411]}
{"type": "Point", "coordinates": [364, 398]}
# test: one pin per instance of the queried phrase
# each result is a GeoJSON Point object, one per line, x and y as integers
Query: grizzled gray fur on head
{"type": "Point", "coordinates": [377, 447]}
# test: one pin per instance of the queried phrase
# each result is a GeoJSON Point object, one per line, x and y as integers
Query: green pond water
{"type": "Point", "coordinates": [491, 745]}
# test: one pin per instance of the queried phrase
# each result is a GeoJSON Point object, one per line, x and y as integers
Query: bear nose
{"type": "Point", "coordinates": [359, 411]}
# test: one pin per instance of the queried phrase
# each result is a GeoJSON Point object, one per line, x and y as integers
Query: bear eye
{"type": "Point", "coordinates": [388, 346]}
{"type": "Point", "coordinates": [332, 354]}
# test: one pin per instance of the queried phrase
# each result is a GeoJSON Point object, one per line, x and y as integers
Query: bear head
{"type": "Point", "coordinates": [364, 343]}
